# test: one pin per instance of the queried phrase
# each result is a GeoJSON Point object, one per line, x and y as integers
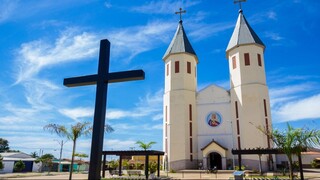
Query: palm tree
{"type": "Point", "coordinates": [293, 142]}
{"type": "Point", "coordinates": [145, 146]}
{"type": "Point", "coordinates": [76, 131]}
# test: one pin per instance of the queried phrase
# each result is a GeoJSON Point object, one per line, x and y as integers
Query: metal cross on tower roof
{"type": "Point", "coordinates": [102, 79]}
{"type": "Point", "coordinates": [239, 1]}
{"type": "Point", "coordinates": [180, 12]}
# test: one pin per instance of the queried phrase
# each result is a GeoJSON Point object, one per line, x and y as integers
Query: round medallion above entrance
{"type": "Point", "coordinates": [214, 119]}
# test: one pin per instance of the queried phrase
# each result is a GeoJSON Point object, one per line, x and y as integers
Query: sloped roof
{"type": "Point", "coordinates": [213, 141]}
{"type": "Point", "coordinates": [243, 34]}
{"type": "Point", "coordinates": [179, 43]}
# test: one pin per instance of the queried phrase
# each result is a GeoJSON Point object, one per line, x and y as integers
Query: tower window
{"type": "Point", "coordinates": [238, 127]}
{"type": "Point", "coordinates": [189, 67]}
{"type": "Point", "coordinates": [176, 67]}
{"type": "Point", "coordinates": [236, 106]}
{"type": "Point", "coordinates": [190, 145]}
{"type": "Point", "coordinates": [265, 107]}
{"type": "Point", "coordinates": [246, 59]}
{"type": "Point", "coordinates": [167, 69]}
{"type": "Point", "coordinates": [234, 62]}
{"type": "Point", "coordinates": [190, 128]}
{"type": "Point", "coordinates": [190, 112]}
{"type": "Point", "coordinates": [259, 60]}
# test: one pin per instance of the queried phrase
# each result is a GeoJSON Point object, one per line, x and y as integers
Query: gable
{"type": "Point", "coordinates": [213, 94]}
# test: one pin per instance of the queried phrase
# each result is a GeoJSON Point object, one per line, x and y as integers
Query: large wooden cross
{"type": "Point", "coordinates": [101, 80]}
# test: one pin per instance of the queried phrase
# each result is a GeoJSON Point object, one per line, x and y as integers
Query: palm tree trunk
{"type": "Point", "coordinates": [290, 168]}
{"type": "Point", "coordinates": [72, 159]}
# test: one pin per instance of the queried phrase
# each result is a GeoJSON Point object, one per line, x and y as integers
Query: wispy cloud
{"type": "Point", "coordinates": [77, 114]}
{"type": "Point", "coordinates": [274, 36]}
{"type": "Point", "coordinates": [294, 98]}
{"type": "Point", "coordinates": [71, 45]}
{"type": "Point", "coordinates": [149, 105]}
{"type": "Point", "coordinates": [201, 30]}
{"type": "Point", "coordinates": [163, 7]}
{"type": "Point", "coordinates": [116, 144]}
{"type": "Point", "coordinates": [304, 108]}
{"type": "Point", "coordinates": [129, 42]}
{"type": "Point", "coordinates": [6, 9]}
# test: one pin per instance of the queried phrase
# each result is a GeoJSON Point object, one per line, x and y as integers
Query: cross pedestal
{"type": "Point", "coordinates": [101, 80]}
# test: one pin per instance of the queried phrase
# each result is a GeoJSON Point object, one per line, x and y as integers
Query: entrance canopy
{"type": "Point", "coordinates": [213, 146]}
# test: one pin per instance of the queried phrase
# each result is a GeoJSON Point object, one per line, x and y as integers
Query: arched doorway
{"type": "Point", "coordinates": [215, 160]}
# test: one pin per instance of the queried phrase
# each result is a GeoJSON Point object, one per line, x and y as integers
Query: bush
{"type": "Point", "coordinates": [19, 166]}
{"type": "Point", "coordinates": [315, 163]}
{"type": "Point", "coordinates": [153, 167]}
{"type": "Point", "coordinates": [242, 168]}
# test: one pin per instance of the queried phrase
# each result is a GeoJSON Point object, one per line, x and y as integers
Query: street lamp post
{"type": "Point", "coordinates": [61, 148]}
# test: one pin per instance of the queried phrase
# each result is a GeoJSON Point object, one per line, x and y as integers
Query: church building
{"type": "Point", "coordinates": [200, 128]}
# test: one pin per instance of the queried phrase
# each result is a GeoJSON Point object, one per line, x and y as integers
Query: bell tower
{"type": "Point", "coordinates": [250, 103]}
{"type": "Point", "coordinates": [179, 103]}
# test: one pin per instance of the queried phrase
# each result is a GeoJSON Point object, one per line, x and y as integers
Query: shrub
{"type": "Point", "coordinates": [19, 166]}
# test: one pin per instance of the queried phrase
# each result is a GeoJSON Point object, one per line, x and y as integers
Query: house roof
{"type": "Point", "coordinates": [16, 156]}
{"type": "Point", "coordinates": [243, 34]}
{"type": "Point", "coordinates": [179, 43]}
{"type": "Point", "coordinates": [213, 141]}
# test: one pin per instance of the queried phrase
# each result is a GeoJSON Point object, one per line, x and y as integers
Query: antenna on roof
{"type": "Point", "coordinates": [180, 12]}
{"type": "Point", "coordinates": [239, 1]}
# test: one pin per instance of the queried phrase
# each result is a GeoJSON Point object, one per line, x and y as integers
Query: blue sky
{"type": "Point", "coordinates": [43, 42]}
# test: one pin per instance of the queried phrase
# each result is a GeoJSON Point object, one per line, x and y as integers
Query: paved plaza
{"type": "Point", "coordinates": [309, 174]}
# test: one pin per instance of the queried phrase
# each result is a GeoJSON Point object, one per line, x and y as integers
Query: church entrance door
{"type": "Point", "coordinates": [215, 160]}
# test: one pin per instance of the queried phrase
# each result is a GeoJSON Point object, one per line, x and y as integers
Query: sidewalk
{"type": "Point", "coordinates": [65, 175]}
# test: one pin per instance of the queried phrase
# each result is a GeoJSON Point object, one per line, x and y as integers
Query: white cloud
{"type": "Point", "coordinates": [201, 31]}
{"type": "Point", "coordinates": [6, 9]}
{"type": "Point", "coordinates": [107, 4]}
{"type": "Point", "coordinates": [273, 36]}
{"type": "Point", "coordinates": [69, 46]}
{"type": "Point", "coordinates": [116, 144]}
{"type": "Point", "coordinates": [129, 42]}
{"type": "Point", "coordinates": [77, 113]}
{"type": "Point", "coordinates": [163, 7]}
{"type": "Point", "coordinates": [284, 94]}
{"type": "Point", "coordinates": [150, 105]}
{"type": "Point", "coordinates": [306, 108]}
{"type": "Point", "coordinates": [272, 15]}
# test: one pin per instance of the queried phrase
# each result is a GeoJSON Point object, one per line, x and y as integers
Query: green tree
{"type": "Point", "coordinates": [80, 155]}
{"type": "Point", "coordinates": [294, 141]}
{"type": "Point", "coordinates": [46, 161]}
{"type": "Point", "coordinates": [145, 146]}
{"type": "Point", "coordinates": [76, 131]}
{"type": "Point", "coordinates": [19, 166]}
{"type": "Point", "coordinates": [34, 154]}
{"type": "Point", "coordinates": [4, 145]}
{"type": "Point", "coordinates": [1, 164]}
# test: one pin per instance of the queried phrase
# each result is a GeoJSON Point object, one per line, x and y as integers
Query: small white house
{"type": "Point", "coordinates": [10, 158]}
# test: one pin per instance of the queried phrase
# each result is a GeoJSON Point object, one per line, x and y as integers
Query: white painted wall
{"type": "Point", "coordinates": [214, 99]}
{"type": "Point", "coordinates": [8, 166]}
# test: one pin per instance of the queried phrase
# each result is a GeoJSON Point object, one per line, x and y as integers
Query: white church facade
{"type": "Point", "coordinates": [202, 127]}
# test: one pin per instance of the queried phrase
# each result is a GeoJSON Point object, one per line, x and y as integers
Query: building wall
{"type": "Point", "coordinates": [214, 99]}
{"type": "Point", "coordinates": [179, 105]}
{"type": "Point", "coordinates": [8, 166]}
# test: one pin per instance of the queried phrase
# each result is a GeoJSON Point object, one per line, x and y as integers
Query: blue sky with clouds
{"type": "Point", "coordinates": [43, 42]}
